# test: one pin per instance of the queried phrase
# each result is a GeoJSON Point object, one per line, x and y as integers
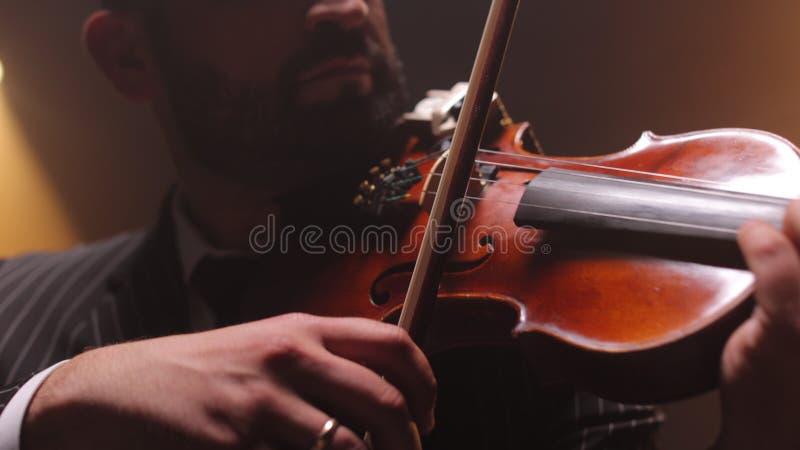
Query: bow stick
{"type": "Point", "coordinates": [424, 286]}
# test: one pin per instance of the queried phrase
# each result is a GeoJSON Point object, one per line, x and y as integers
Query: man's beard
{"type": "Point", "coordinates": [257, 135]}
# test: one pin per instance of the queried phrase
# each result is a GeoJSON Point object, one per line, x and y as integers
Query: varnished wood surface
{"type": "Point", "coordinates": [635, 323]}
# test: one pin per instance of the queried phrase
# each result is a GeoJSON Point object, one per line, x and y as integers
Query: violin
{"type": "Point", "coordinates": [620, 272]}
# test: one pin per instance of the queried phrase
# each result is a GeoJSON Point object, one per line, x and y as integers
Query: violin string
{"type": "Point", "coordinates": [741, 195]}
{"type": "Point", "coordinates": [510, 166]}
{"type": "Point", "coordinates": [478, 199]}
{"type": "Point", "coordinates": [593, 166]}
{"type": "Point", "coordinates": [518, 204]}
{"type": "Point", "coordinates": [604, 215]}
{"type": "Point", "coordinates": [464, 197]}
{"type": "Point", "coordinates": [585, 165]}
{"type": "Point", "coordinates": [689, 188]}
{"type": "Point", "coordinates": [430, 156]}
{"type": "Point", "coordinates": [726, 192]}
{"type": "Point", "coordinates": [484, 180]}
{"type": "Point", "coordinates": [556, 162]}
{"type": "Point", "coordinates": [482, 199]}
{"type": "Point", "coordinates": [564, 162]}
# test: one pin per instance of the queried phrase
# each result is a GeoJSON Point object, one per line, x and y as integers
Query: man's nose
{"type": "Point", "coordinates": [348, 14]}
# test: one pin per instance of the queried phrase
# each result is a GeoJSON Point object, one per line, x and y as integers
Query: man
{"type": "Point", "coordinates": [264, 103]}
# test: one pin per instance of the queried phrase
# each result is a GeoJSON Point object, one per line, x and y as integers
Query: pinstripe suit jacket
{"type": "Point", "coordinates": [54, 306]}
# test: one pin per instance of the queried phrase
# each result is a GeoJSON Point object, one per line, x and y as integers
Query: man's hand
{"type": "Point", "coordinates": [271, 384]}
{"type": "Point", "coordinates": [761, 361]}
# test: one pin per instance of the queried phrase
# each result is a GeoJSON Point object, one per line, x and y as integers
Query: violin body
{"type": "Point", "coordinates": [632, 317]}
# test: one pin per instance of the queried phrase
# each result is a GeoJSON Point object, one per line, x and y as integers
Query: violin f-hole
{"type": "Point", "coordinates": [380, 297]}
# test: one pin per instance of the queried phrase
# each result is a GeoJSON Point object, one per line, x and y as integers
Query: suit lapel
{"type": "Point", "coordinates": [150, 286]}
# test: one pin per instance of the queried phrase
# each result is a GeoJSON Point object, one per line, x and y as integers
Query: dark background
{"type": "Point", "coordinates": [590, 74]}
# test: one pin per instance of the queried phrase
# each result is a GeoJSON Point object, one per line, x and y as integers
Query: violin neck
{"type": "Point", "coordinates": [559, 198]}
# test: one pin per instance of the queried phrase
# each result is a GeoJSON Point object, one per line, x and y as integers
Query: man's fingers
{"type": "Point", "coordinates": [296, 424]}
{"type": "Point", "coordinates": [389, 351]}
{"type": "Point", "coordinates": [791, 224]}
{"type": "Point", "coordinates": [774, 260]}
{"type": "Point", "coordinates": [359, 397]}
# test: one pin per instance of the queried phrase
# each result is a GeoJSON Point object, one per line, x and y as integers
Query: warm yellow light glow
{"type": "Point", "coordinates": [1, 71]}
{"type": "Point", "coordinates": [32, 214]}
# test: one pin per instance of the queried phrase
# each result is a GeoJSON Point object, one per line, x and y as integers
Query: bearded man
{"type": "Point", "coordinates": [263, 104]}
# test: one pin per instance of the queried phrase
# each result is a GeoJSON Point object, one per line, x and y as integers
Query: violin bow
{"type": "Point", "coordinates": [424, 286]}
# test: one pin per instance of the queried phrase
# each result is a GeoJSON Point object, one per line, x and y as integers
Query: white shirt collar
{"type": "Point", "coordinates": [192, 245]}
